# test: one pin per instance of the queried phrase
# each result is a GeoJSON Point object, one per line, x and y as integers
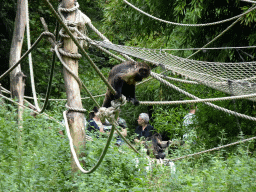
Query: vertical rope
{"type": "Point", "coordinates": [30, 58]}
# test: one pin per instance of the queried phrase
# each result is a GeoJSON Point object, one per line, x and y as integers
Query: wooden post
{"type": "Point", "coordinates": [75, 119]}
{"type": "Point", "coordinates": [17, 78]}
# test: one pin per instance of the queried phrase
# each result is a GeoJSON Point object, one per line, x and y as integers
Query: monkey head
{"type": "Point", "coordinates": [143, 72]}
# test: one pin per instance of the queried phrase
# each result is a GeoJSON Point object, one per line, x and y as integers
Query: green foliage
{"type": "Point", "coordinates": [168, 122]}
{"type": "Point", "coordinates": [38, 158]}
{"type": "Point", "coordinates": [33, 158]}
{"type": "Point", "coordinates": [118, 171]}
{"type": "Point", "coordinates": [234, 174]}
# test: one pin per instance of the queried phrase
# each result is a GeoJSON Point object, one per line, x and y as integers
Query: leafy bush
{"type": "Point", "coordinates": [38, 159]}
{"type": "Point", "coordinates": [34, 158]}
{"type": "Point", "coordinates": [168, 122]}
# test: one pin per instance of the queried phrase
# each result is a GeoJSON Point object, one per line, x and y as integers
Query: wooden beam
{"type": "Point", "coordinates": [75, 119]}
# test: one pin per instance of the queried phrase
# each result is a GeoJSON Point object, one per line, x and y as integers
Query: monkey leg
{"type": "Point", "coordinates": [129, 92]}
{"type": "Point", "coordinates": [134, 101]}
{"type": "Point", "coordinates": [118, 86]}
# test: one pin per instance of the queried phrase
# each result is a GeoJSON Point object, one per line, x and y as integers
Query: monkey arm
{"type": "Point", "coordinates": [132, 96]}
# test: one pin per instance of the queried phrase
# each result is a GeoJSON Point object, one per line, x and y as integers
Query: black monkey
{"type": "Point", "coordinates": [156, 146]}
{"type": "Point", "coordinates": [123, 78]}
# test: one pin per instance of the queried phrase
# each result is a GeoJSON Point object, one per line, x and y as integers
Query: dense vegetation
{"type": "Point", "coordinates": [38, 158]}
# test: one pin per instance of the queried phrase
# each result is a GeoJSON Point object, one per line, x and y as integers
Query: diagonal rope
{"type": "Point", "coordinates": [74, 152]}
{"type": "Point", "coordinates": [196, 101]}
{"type": "Point", "coordinates": [30, 57]}
{"type": "Point", "coordinates": [155, 75]}
{"type": "Point", "coordinates": [106, 39]}
{"type": "Point", "coordinates": [79, 46]}
{"type": "Point", "coordinates": [211, 74]}
{"type": "Point", "coordinates": [81, 84]}
{"type": "Point", "coordinates": [249, 1]}
{"type": "Point", "coordinates": [211, 48]}
{"type": "Point", "coordinates": [105, 81]}
{"type": "Point", "coordinates": [188, 25]}
{"type": "Point", "coordinates": [16, 103]}
{"type": "Point", "coordinates": [213, 149]}
{"type": "Point", "coordinates": [48, 34]}
{"type": "Point", "coordinates": [178, 80]}
{"type": "Point", "coordinates": [214, 39]}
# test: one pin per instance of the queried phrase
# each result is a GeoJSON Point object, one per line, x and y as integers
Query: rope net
{"type": "Point", "coordinates": [231, 78]}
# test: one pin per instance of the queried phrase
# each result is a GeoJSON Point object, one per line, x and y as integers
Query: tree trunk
{"type": "Point", "coordinates": [75, 119]}
{"type": "Point", "coordinates": [17, 78]}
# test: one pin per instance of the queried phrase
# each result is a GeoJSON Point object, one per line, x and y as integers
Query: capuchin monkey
{"type": "Point", "coordinates": [123, 78]}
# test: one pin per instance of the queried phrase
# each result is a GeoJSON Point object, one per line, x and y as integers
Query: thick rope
{"type": "Point", "coordinates": [79, 46]}
{"type": "Point", "coordinates": [104, 50]}
{"type": "Point", "coordinates": [214, 39]}
{"type": "Point", "coordinates": [155, 75]}
{"type": "Point", "coordinates": [102, 95]}
{"type": "Point", "coordinates": [178, 80]}
{"type": "Point", "coordinates": [249, 1]}
{"type": "Point", "coordinates": [213, 149]}
{"type": "Point", "coordinates": [114, 124]}
{"type": "Point", "coordinates": [30, 57]}
{"type": "Point", "coordinates": [188, 25]}
{"type": "Point", "coordinates": [81, 84]}
{"type": "Point", "coordinates": [69, 10]}
{"type": "Point", "coordinates": [75, 109]}
{"type": "Point", "coordinates": [42, 99]}
{"type": "Point", "coordinates": [211, 48]}
{"type": "Point", "coordinates": [48, 34]}
{"type": "Point", "coordinates": [74, 152]}
{"type": "Point", "coordinates": [196, 101]}
{"type": "Point", "coordinates": [70, 55]}
{"type": "Point", "coordinates": [73, 38]}
{"type": "Point", "coordinates": [32, 79]}
{"type": "Point", "coordinates": [6, 91]}
{"type": "Point", "coordinates": [46, 115]}
{"type": "Point", "coordinates": [83, 37]}
{"type": "Point", "coordinates": [106, 39]}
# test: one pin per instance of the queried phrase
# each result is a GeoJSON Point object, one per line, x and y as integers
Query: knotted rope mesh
{"type": "Point", "coordinates": [231, 78]}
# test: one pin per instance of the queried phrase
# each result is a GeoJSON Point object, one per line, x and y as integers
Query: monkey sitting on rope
{"type": "Point", "coordinates": [123, 78]}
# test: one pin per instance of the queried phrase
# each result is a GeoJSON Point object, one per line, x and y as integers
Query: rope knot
{"type": "Point", "coordinates": [110, 112]}
{"type": "Point", "coordinates": [119, 102]}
